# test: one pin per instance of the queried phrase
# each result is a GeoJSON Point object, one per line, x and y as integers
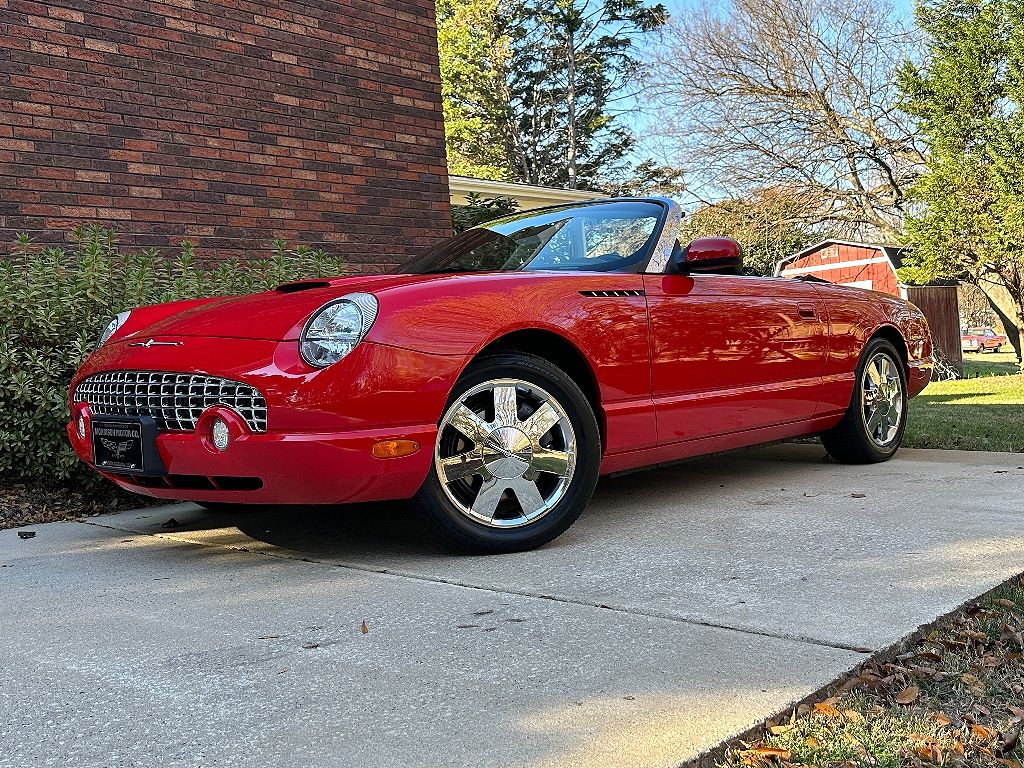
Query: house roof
{"type": "Point", "coordinates": [527, 195]}
{"type": "Point", "coordinates": [890, 250]}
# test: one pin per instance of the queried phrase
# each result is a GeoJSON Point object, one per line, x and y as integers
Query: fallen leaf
{"type": "Point", "coordinates": [858, 495]}
{"type": "Point", "coordinates": [778, 730]}
{"type": "Point", "coordinates": [942, 718]}
{"type": "Point", "coordinates": [363, 628]}
{"type": "Point", "coordinates": [853, 715]}
{"type": "Point", "coordinates": [310, 646]}
{"type": "Point", "coordinates": [827, 709]}
{"type": "Point", "coordinates": [1005, 603]}
{"type": "Point", "coordinates": [268, 637]}
{"type": "Point", "coordinates": [929, 752]}
{"type": "Point", "coordinates": [1015, 711]}
{"type": "Point", "coordinates": [983, 733]}
{"type": "Point", "coordinates": [26, 534]}
{"type": "Point", "coordinates": [1009, 741]}
{"type": "Point", "coordinates": [908, 695]}
{"type": "Point", "coordinates": [812, 743]}
{"type": "Point", "coordinates": [930, 655]}
{"type": "Point", "coordinates": [781, 754]}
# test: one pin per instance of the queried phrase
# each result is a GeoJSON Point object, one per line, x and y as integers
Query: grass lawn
{"type": "Point", "coordinates": [954, 699]}
{"type": "Point", "coordinates": [983, 412]}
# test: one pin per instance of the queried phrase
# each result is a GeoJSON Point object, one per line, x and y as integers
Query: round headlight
{"type": "Point", "coordinates": [334, 330]}
{"type": "Point", "coordinates": [111, 327]}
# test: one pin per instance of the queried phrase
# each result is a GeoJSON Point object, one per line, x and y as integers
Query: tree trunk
{"type": "Point", "coordinates": [1011, 325]}
{"type": "Point", "coordinates": [570, 102]}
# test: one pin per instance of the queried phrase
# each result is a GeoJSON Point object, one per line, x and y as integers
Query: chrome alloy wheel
{"type": "Point", "coordinates": [882, 390]}
{"type": "Point", "coordinates": [505, 453]}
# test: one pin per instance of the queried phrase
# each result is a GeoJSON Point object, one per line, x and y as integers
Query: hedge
{"type": "Point", "coordinates": [53, 305]}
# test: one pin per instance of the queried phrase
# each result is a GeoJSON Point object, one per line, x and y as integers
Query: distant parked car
{"type": "Point", "coordinates": [981, 340]}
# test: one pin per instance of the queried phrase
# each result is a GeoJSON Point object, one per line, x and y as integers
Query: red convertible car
{"type": "Point", "coordinates": [493, 379]}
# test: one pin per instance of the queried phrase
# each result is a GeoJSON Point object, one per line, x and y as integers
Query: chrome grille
{"type": "Point", "coordinates": [174, 400]}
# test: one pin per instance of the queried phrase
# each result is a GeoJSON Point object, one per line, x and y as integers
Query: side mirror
{"type": "Point", "coordinates": [715, 255]}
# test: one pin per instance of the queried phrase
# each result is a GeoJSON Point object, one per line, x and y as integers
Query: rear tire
{"type": "Point", "coordinates": [516, 458]}
{"type": "Point", "coordinates": [872, 428]}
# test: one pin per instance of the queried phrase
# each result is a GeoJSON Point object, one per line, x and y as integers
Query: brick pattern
{"type": "Point", "coordinates": [226, 122]}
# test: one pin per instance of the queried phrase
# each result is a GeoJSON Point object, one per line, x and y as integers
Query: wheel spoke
{"type": "Point", "coordinates": [506, 406]}
{"type": "Point", "coordinates": [486, 501]}
{"type": "Point", "coordinates": [527, 493]}
{"type": "Point", "coordinates": [549, 460]}
{"type": "Point", "coordinates": [462, 466]}
{"type": "Point", "coordinates": [874, 420]}
{"type": "Point", "coordinates": [540, 422]}
{"type": "Point", "coordinates": [874, 372]}
{"type": "Point", "coordinates": [469, 424]}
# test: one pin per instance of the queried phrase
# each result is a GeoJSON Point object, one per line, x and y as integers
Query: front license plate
{"type": "Point", "coordinates": [117, 446]}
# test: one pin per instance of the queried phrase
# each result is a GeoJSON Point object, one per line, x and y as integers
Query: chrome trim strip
{"type": "Point", "coordinates": [669, 235]}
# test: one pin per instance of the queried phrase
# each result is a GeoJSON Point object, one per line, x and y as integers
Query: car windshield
{"type": "Point", "coordinates": [615, 236]}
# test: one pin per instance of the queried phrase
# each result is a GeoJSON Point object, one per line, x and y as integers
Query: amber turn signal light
{"type": "Point", "coordinates": [394, 449]}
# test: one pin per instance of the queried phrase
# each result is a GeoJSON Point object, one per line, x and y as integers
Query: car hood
{"type": "Point", "coordinates": [276, 315]}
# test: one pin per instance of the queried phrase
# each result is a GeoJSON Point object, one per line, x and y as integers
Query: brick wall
{"type": "Point", "coordinates": [227, 122]}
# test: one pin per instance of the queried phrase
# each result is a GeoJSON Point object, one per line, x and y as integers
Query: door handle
{"type": "Point", "coordinates": [808, 313]}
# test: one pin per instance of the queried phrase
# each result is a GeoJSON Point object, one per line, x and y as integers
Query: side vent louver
{"type": "Point", "coordinates": [611, 294]}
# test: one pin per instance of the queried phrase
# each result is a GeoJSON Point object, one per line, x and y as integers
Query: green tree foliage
{"type": "Point", "coordinates": [531, 87]}
{"type": "Point", "coordinates": [967, 96]}
{"type": "Point", "coordinates": [768, 225]}
{"type": "Point", "coordinates": [53, 305]}
{"type": "Point", "coordinates": [475, 50]}
{"type": "Point", "coordinates": [479, 210]}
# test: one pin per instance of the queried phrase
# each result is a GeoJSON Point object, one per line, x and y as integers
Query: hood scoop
{"type": "Point", "coordinates": [302, 285]}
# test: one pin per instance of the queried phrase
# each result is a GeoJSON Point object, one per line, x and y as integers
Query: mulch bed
{"type": "Point", "coordinates": [22, 505]}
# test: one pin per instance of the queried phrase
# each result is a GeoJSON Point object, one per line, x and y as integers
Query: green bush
{"type": "Point", "coordinates": [53, 305]}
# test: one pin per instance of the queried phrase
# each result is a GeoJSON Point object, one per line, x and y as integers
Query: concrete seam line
{"type": "Point", "coordinates": [496, 590]}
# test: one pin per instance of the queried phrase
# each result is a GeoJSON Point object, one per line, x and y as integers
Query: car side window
{"type": "Point", "coordinates": [616, 238]}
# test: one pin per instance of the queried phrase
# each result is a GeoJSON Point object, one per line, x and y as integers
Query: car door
{"type": "Point", "coordinates": [733, 353]}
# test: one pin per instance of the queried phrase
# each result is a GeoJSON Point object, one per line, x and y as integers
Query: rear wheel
{"type": "Point", "coordinates": [516, 458]}
{"type": "Point", "coordinates": [873, 426]}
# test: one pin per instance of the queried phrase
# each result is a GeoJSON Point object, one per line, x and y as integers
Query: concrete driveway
{"type": "Point", "coordinates": [686, 604]}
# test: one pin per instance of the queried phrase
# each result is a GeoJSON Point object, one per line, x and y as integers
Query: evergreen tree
{"type": "Point", "coordinates": [531, 87]}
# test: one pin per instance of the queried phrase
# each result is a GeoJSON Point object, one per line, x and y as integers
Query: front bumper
{"type": "Point", "coordinates": [919, 374]}
{"type": "Point", "coordinates": [322, 425]}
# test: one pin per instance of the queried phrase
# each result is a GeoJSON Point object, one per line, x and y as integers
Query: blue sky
{"type": "Point", "coordinates": [638, 120]}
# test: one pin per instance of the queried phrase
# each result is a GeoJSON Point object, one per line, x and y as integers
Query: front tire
{"type": "Point", "coordinates": [872, 428]}
{"type": "Point", "coordinates": [516, 458]}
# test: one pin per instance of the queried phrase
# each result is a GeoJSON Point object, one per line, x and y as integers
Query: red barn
{"type": "Point", "coordinates": [873, 267]}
